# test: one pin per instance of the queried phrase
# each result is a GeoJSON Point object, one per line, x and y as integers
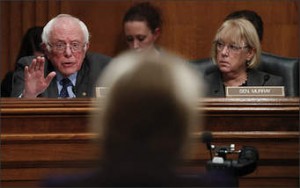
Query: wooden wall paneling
{"type": "Point", "coordinates": [104, 20]}
{"type": "Point", "coordinates": [32, 148]}
{"type": "Point", "coordinates": [28, 16]}
{"type": "Point", "coordinates": [36, 148]}
{"type": "Point", "coordinates": [15, 31]}
{"type": "Point", "coordinates": [53, 8]}
{"type": "Point", "coordinates": [188, 29]}
{"type": "Point", "coordinates": [4, 49]}
{"type": "Point", "coordinates": [281, 27]}
{"type": "Point", "coordinates": [32, 157]}
{"type": "Point", "coordinates": [18, 121]}
{"type": "Point", "coordinates": [190, 25]}
{"type": "Point", "coordinates": [42, 11]}
{"type": "Point", "coordinates": [277, 44]}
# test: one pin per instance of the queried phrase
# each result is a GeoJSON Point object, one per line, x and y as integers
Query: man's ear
{"type": "Point", "coordinates": [44, 47]}
{"type": "Point", "coordinates": [87, 45]}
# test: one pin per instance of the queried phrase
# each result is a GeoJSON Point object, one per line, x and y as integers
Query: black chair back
{"type": "Point", "coordinates": [287, 68]}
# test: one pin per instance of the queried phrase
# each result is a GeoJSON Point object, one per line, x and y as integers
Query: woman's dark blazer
{"type": "Point", "coordinates": [215, 87]}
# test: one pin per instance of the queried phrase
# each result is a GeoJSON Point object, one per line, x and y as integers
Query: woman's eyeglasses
{"type": "Point", "coordinates": [230, 47]}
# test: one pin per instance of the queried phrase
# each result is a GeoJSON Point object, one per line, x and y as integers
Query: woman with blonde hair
{"type": "Point", "coordinates": [236, 51]}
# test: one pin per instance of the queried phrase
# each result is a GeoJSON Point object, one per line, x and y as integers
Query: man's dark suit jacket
{"type": "Point", "coordinates": [215, 87]}
{"type": "Point", "coordinates": [87, 76]}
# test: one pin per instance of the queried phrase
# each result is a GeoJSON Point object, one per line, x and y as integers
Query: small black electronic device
{"type": "Point", "coordinates": [245, 163]}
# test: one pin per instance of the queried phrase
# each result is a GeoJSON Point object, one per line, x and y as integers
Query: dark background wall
{"type": "Point", "coordinates": [189, 25]}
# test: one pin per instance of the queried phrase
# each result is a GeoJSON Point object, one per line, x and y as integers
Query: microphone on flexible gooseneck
{"type": "Point", "coordinates": [266, 78]}
{"type": "Point", "coordinates": [245, 164]}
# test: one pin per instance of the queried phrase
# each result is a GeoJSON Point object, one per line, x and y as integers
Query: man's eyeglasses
{"type": "Point", "coordinates": [230, 47]}
{"type": "Point", "coordinates": [61, 46]}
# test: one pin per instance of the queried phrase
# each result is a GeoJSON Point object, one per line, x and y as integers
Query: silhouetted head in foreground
{"type": "Point", "coordinates": [147, 115]}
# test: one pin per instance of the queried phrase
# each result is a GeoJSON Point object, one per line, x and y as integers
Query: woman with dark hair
{"type": "Point", "coordinates": [30, 46]}
{"type": "Point", "coordinates": [31, 42]}
{"type": "Point", "coordinates": [142, 26]}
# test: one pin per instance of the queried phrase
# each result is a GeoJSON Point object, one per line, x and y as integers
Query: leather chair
{"type": "Point", "coordinates": [287, 68]}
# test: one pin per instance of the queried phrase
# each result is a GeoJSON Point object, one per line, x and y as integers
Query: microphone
{"type": "Point", "coordinates": [207, 138]}
{"type": "Point", "coordinates": [245, 164]}
{"type": "Point", "coordinates": [266, 78]}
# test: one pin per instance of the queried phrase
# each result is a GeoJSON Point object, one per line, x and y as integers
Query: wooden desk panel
{"type": "Point", "coordinates": [40, 137]}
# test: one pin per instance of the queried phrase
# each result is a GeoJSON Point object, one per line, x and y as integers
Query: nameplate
{"type": "Point", "coordinates": [255, 91]}
{"type": "Point", "coordinates": [101, 91]}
